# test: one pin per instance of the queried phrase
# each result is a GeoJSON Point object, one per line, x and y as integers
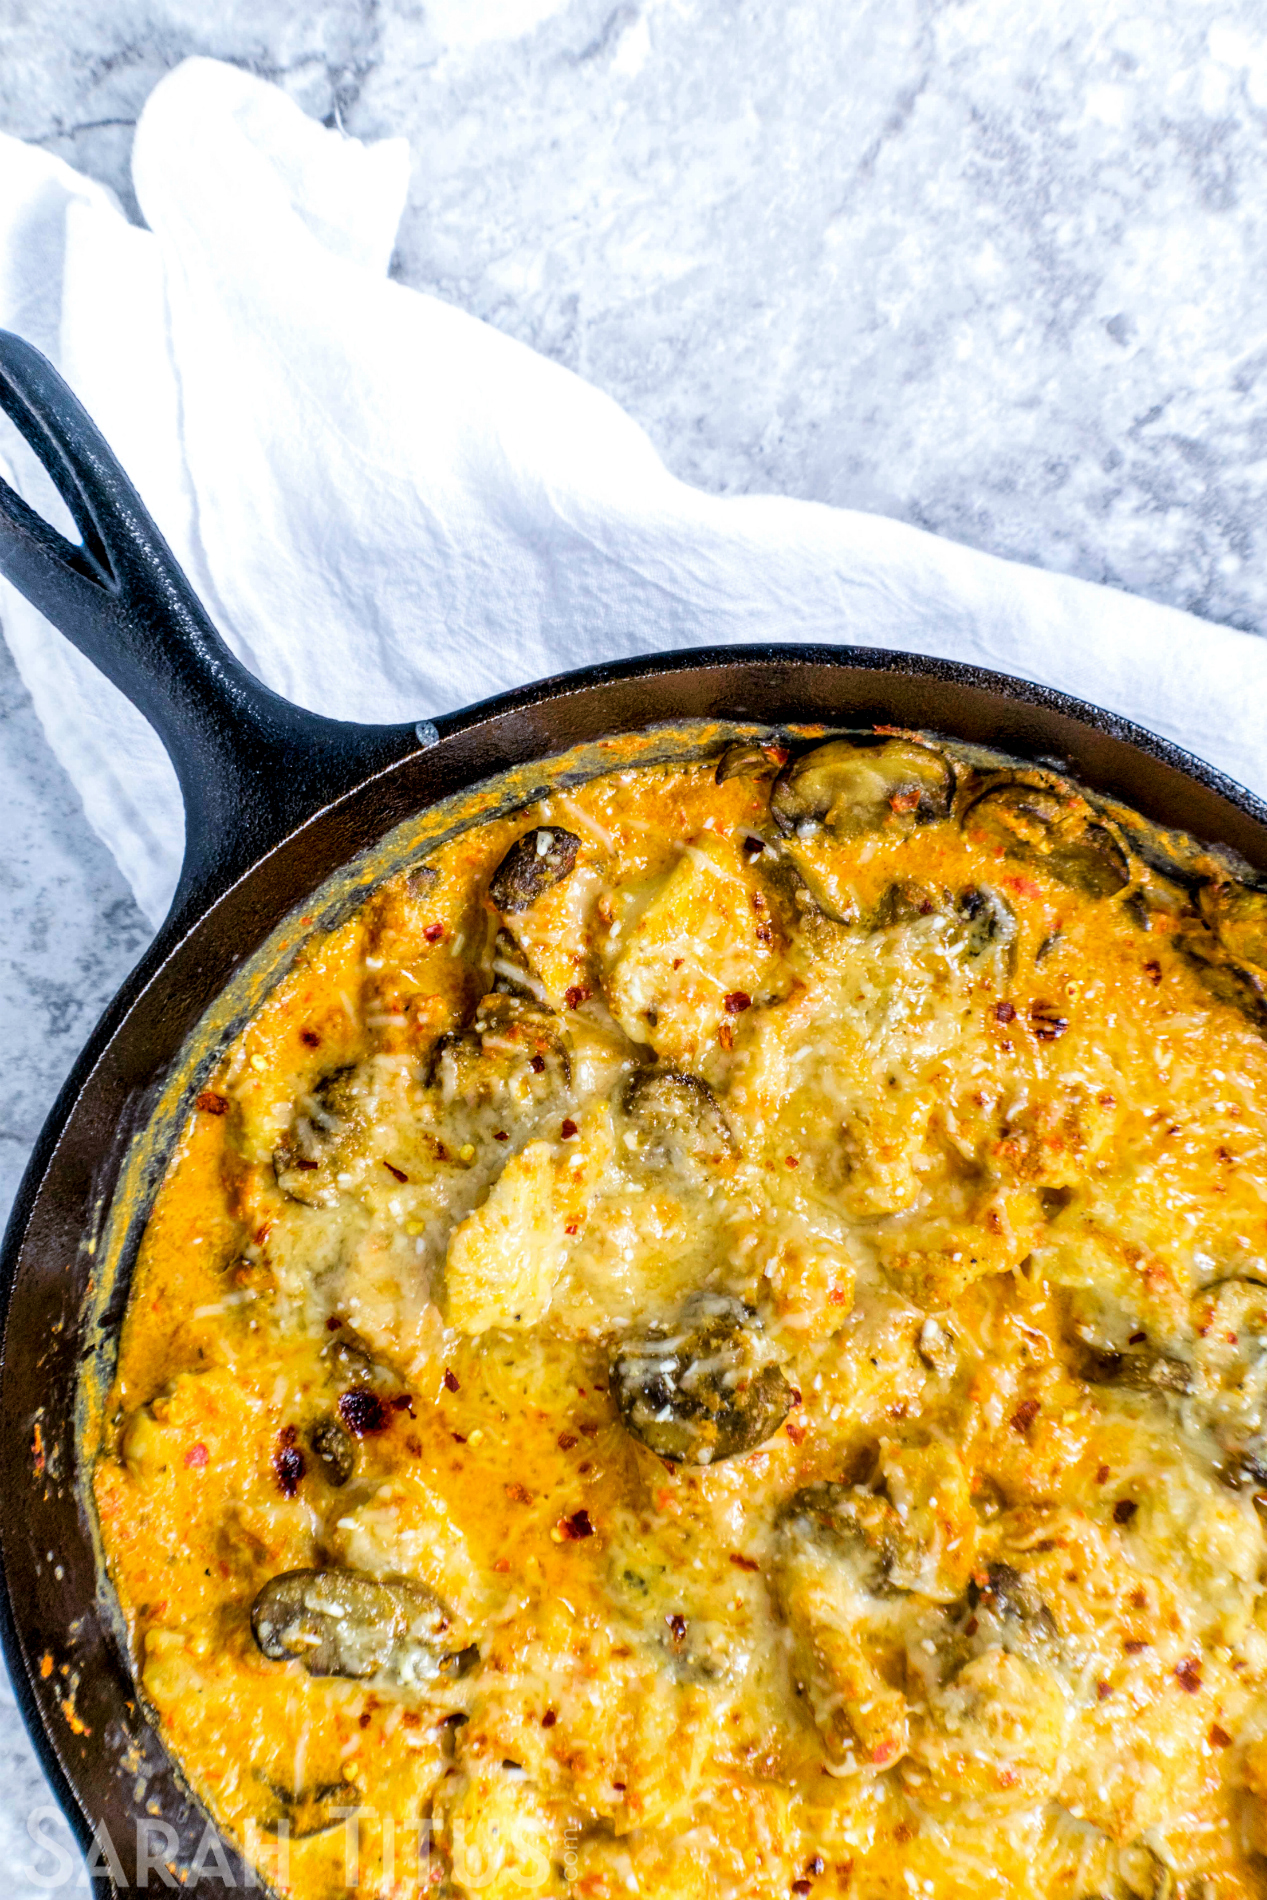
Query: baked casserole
{"type": "Point", "coordinates": [712, 1340]}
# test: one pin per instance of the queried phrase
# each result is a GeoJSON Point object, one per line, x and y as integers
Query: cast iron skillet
{"type": "Point", "coordinates": [275, 800]}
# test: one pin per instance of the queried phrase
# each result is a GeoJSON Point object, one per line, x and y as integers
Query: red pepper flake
{"type": "Point", "coordinates": [797, 1433]}
{"type": "Point", "coordinates": [310, 1038]}
{"type": "Point", "coordinates": [399, 1173]}
{"type": "Point", "coordinates": [568, 1129]}
{"type": "Point", "coordinates": [1188, 1674]}
{"type": "Point", "coordinates": [1104, 1690]}
{"type": "Point", "coordinates": [499, 1134]}
{"type": "Point", "coordinates": [905, 801]}
{"type": "Point", "coordinates": [288, 1462]}
{"type": "Point", "coordinates": [549, 1719]}
{"type": "Point", "coordinates": [450, 1380]}
{"type": "Point", "coordinates": [1154, 970]}
{"type": "Point", "coordinates": [518, 1493]}
{"type": "Point", "coordinates": [619, 1786]}
{"type": "Point", "coordinates": [1046, 1022]}
{"type": "Point", "coordinates": [1134, 1644]}
{"type": "Point", "coordinates": [457, 1438]}
{"type": "Point", "coordinates": [212, 1104]}
{"type": "Point", "coordinates": [743, 1563]}
{"type": "Point", "coordinates": [802, 1886]}
{"type": "Point", "coordinates": [1025, 1414]}
{"type": "Point", "coordinates": [1102, 1475]}
{"type": "Point", "coordinates": [577, 995]}
{"type": "Point", "coordinates": [404, 1402]}
{"type": "Point", "coordinates": [365, 1718]}
{"type": "Point", "coordinates": [434, 933]}
{"type": "Point", "coordinates": [567, 1442]}
{"type": "Point", "coordinates": [362, 1411]}
{"type": "Point", "coordinates": [197, 1458]}
{"type": "Point", "coordinates": [1004, 1012]}
{"type": "Point", "coordinates": [1137, 1339]}
{"type": "Point", "coordinates": [677, 1626]}
{"type": "Point", "coordinates": [1124, 1510]}
{"type": "Point", "coordinates": [971, 1627]}
{"type": "Point", "coordinates": [537, 1064]}
{"type": "Point", "coordinates": [573, 1529]}
{"type": "Point", "coordinates": [884, 1753]}
{"type": "Point", "coordinates": [573, 1227]}
{"type": "Point", "coordinates": [737, 1002]}
{"type": "Point", "coordinates": [792, 1161]}
{"type": "Point", "coordinates": [1219, 1737]}
{"type": "Point", "coordinates": [726, 1037]}
{"type": "Point", "coordinates": [333, 1323]}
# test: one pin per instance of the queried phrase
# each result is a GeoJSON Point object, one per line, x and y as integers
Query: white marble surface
{"type": "Point", "coordinates": [994, 270]}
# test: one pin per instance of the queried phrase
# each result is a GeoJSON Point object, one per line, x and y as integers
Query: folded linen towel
{"type": "Point", "coordinates": [390, 509]}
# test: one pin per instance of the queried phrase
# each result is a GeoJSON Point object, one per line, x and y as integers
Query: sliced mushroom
{"type": "Point", "coordinates": [1141, 1370]}
{"type": "Point", "coordinates": [305, 1159]}
{"type": "Point", "coordinates": [309, 1811]}
{"type": "Point", "coordinates": [349, 1361]}
{"type": "Point", "coordinates": [1237, 914]}
{"type": "Point", "coordinates": [857, 1528]}
{"type": "Point", "coordinates": [677, 1117]}
{"type": "Point", "coordinates": [1243, 988]}
{"type": "Point", "coordinates": [746, 760]}
{"type": "Point", "coordinates": [836, 1548]}
{"type": "Point", "coordinates": [1052, 829]}
{"type": "Point", "coordinates": [852, 788]}
{"type": "Point", "coordinates": [512, 1047]}
{"type": "Point", "coordinates": [1006, 1594]}
{"type": "Point", "coordinates": [513, 975]}
{"type": "Point", "coordinates": [334, 1448]}
{"type": "Point", "coordinates": [535, 863]}
{"type": "Point", "coordinates": [996, 1710]}
{"type": "Point", "coordinates": [904, 903]}
{"type": "Point", "coordinates": [987, 925]}
{"type": "Point", "coordinates": [341, 1623]}
{"type": "Point", "coordinates": [704, 1389]}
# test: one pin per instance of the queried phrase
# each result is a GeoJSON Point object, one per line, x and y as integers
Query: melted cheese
{"type": "Point", "coordinates": [970, 1196]}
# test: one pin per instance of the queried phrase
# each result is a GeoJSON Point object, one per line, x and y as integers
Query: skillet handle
{"type": "Point", "coordinates": [251, 765]}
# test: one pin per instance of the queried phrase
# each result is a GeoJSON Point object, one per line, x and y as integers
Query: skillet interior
{"type": "Point", "coordinates": [109, 1139]}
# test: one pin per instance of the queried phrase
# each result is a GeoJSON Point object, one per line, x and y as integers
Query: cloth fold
{"type": "Point", "coordinates": [391, 509]}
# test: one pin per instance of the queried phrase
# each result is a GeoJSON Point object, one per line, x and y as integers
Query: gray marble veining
{"type": "Point", "coordinates": [992, 270]}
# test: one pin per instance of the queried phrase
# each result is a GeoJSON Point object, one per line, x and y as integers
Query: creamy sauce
{"type": "Point", "coordinates": [956, 1191]}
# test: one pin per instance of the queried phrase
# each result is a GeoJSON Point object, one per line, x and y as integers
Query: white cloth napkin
{"type": "Point", "coordinates": [391, 509]}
